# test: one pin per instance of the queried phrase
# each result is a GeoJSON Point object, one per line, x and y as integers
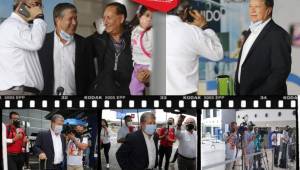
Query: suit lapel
{"type": "Point", "coordinates": [240, 55]}
{"type": "Point", "coordinates": [260, 37]}
{"type": "Point", "coordinates": [50, 141]}
{"type": "Point", "coordinates": [144, 145]}
{"type": "Point", "coordinates": [77, 54]}
{"type": "Point", "coordinates": [51, 60]}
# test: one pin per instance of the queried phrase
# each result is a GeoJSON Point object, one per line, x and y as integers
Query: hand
{"type": "Point", "coordinates": [199, 19]}
{"type": "Point", "coordinates": [18, 136]}
{"type": "Point", "coordinates": [34, 12]}
{"type": "Point", "coordinates": [42, 156]}
{"type": "Point", "coordinates": [71, 136]}
{"type": "Point", "coordinates": [143, 75]}
{"type": "Point", "coordinates": [180, 120]}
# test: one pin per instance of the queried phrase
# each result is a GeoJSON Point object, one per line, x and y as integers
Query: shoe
{"type": "Point", "coordinates": [107, 165]}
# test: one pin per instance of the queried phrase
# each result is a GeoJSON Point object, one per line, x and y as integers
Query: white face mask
{"type": "Point", "coordinates": [255, 25]}
{"type": "Point", "coordinates": [57, 129]}
{"type": "Point", "coordinates": [100, 27]}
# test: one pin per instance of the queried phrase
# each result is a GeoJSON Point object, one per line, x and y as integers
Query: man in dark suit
{"type": "Point", "coordinates": [139, 151]}
{"type": "Point", "coordinates": [66, 64]}
{"type": "Point", "coordinates": [113, 51]}
{"type": "Point", "coordinates": [50, 146]}
{"type": "Point", "coordinates": [265, 59]}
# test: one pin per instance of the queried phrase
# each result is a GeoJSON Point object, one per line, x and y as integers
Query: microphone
{"type": "Point", "coordinates": [60, 91]}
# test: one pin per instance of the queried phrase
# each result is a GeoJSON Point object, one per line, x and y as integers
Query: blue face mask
{"type": "Point", "coordinates": [150, 129]}
{"type": "Point", "coordinates": [57, 129]}
{"type": "Point", "coordinates": [254, 25]}
{"type": "Point", "coordinates": [66, 36]}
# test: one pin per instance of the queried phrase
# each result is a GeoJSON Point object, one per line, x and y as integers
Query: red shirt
{"type": "Point", "coordinates": [171, 135]}
{"type": "Point", "coordinates": [16, 146]}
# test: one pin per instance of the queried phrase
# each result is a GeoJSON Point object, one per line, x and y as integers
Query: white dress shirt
{"type": "Point", "coordinates": [249, 42]}
{"type": "Point", "coordinates": [187, 143]}
{"type": "Point", "coordinates": [184, 44]}
{"type": "Point", "coordinates": [58, 148]}
{"type": "Point", "coordinates": [151, 150]}
{"type": "Point", "coordinates": [64, 66]}
{"type": "Point", "coordinates": [277, 136]}
{"type": "Point", "coordinates": [19, 61]}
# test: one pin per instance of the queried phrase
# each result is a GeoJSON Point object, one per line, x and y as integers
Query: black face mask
{"type": "Point", "coordinates": [16, 123]}
{"type": "Point", "coordinates": [170, 123]}
{"type": "Point", "coordinates": [190, 127]}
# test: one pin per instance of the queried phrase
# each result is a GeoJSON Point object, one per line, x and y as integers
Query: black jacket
{"type": "Point", "coordinates": [109, 82]}
{"type": "Point", "coordinates": [44, 144]}
{"type": "Point", "coordinates": [84, 65]}
{"type": "Point", "coordinates": [267, 64]}
{"type": "Point", "coordinates": [133, 154]}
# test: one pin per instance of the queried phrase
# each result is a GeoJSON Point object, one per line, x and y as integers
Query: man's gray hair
{"type": "Point", "coordinates": [146, 115]}
{"type": "Point", "coordinates": [56, 116]}
{"type": "Point", "coordinates": [60, 8]}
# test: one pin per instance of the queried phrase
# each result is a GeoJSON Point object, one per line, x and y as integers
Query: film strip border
{"type": "Point", "coordinates": [115, 102]}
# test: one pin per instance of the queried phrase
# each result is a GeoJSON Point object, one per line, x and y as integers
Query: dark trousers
{"type": "Point", "coordinates": [164, 151]}
{"type": "Point", "coordinates": [283, 160]}
{"type": "Point", "coordinates": [257, 164]}
{"type": "Point", "coordinates": [15, 161]}
{"type": "Point", "coordinates": [106, 148]}
{"type": "Point", "coordinates": [276, 154]}
{"type": "Point", "coordinates": [186, 164]}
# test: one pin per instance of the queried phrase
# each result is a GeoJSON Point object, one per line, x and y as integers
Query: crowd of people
{"type": "Point", "coordinates": [33, 62]}
{"type": "Point", "coordinates": [146, 146]}
{"type": "Point", "coordinates": [55, 149]}
{"type": "Point", "coordinates": [246, 140]}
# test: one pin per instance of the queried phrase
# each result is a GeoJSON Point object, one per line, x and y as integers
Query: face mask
{"type": "Point", "coordinates": [129, 123]}
{"type": "Point", "coordinates": [100, 27]}
{"type": "Point", "coordinates": [170, 123]}
{"type": "Point", "coordinates": [150, 129]}
{"type": "Point", "coordinates": [57, 129]}
{"type": "Point", "coordinates": [66, 36]}
{"type": "Point", "coordinates": [254, 25]}
{"type": "Point", "coordinates": [16, 123]}
{"type": "Point", "coordinates": [190, 127]}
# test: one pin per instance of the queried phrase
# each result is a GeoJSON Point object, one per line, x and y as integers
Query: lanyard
{"type": "Point", "coordinates": [118, 50]}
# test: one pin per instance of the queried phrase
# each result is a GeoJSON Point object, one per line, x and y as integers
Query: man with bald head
{"type": "Point", "coordinates": [187, 149]}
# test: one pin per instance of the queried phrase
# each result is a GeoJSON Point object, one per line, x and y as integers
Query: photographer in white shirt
{"type": "Point", "coordinates": [185, 42]}
{"type": "Point", "coordinates": [20, 70]}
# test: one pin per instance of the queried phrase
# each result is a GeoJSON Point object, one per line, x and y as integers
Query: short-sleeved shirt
{"type": "Point", "coordinates": [171, 134]}
{"type": "Point", "coordinates": [75, 154]}
{"type": "Point", "coordinates": [187, 143]}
